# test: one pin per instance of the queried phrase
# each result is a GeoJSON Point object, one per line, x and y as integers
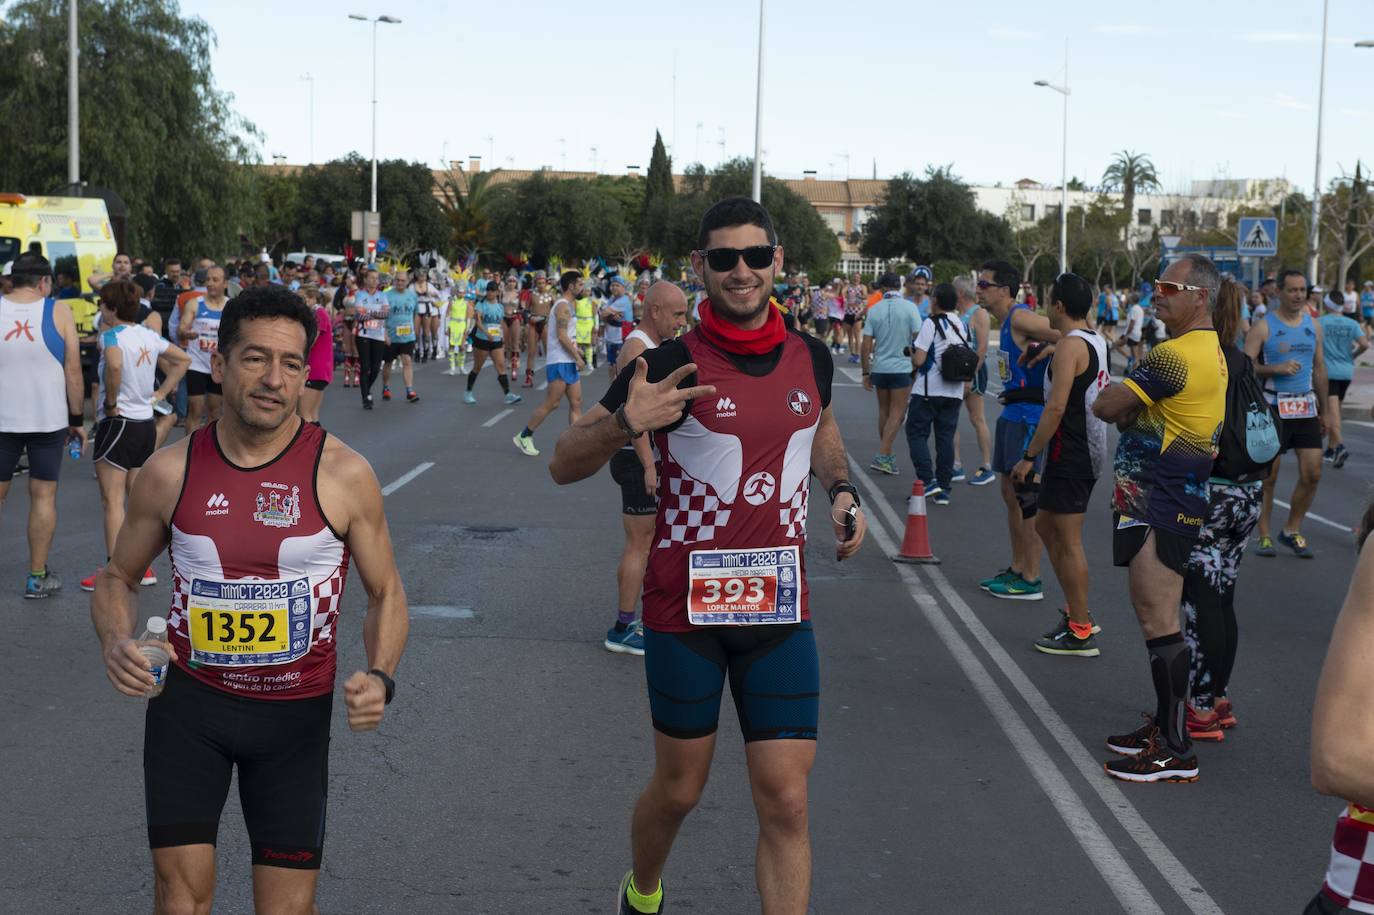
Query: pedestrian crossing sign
{"type": "Point", "coordinates": [1257, 236]}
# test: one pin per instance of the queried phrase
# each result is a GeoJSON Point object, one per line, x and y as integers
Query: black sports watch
{"type": "Point", "coordinates": [844, 486]}
{"type": "Point", "coordinates": [389, 683]}
{"type": "Point", "coordinates": [623, 422]}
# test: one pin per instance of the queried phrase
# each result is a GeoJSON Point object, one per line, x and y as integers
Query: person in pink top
{"type": "Point", "coordinates": [321, 358]}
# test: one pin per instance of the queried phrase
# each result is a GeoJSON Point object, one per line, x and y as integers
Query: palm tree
{"type": "Point", "coordinates": [466, 213]}
{"type": "Point", "coordinates": [1130, 172]}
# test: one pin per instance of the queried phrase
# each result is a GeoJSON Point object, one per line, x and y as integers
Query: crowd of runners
{"type": "Point", "coordinates": [717, 419]}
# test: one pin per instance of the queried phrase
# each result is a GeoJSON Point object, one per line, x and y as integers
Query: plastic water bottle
{"type": "Point", "coordinates": [74, 448]}
{"type": "Point", "coordinates": [157, 656]}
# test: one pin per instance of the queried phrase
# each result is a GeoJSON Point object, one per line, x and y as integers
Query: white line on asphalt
{"type": "Point", "coordinates": [845, 384]}
{"type": "Point", "coordinates": [852, 374]}
{"type": "Point", "coordinates": [497, 418]}
{"type": "Point", "coordinates": [1173, 871]}
{"type": "Point", "coordinates": [1357, 422]}
{"type": "Point", "coordinates": [406, 478]}
{"type": "Point", "coordinates": [1315, 517]}
{"type": "Point", "coordinates": [544, 386]}
{"type": "Point", "coordinates": [1099, 848]}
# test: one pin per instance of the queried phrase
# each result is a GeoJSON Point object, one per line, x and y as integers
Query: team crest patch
{"type": "Point", "coordinates": [277, 509]}
{"type": "Point", "coordinates": [799, 402]}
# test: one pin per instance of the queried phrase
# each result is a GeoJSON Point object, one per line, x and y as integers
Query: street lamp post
{"type": "Point", "coordinates": [73, 100]}
{"type": "Point", "coordinates": [1313, 235]}
{"type": "Point", "coordinates": [1064, 165]}
{"type": "Point", "coordinates": [389, 20]}
{"type": "Point", "coordinates": [758, 119]}
{"type": "Point", "coordinates": [311, 80]}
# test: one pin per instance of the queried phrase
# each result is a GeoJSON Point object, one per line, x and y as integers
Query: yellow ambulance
{"type": "Point", "coordinates": [74, 233]}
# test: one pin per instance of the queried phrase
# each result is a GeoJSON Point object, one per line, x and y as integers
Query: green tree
{"type": "Point", "coordinates": [154, 127]}
{"type": "Point", "coordinates": [545, 217]}
{"type": "Point", "coordinates": [329, 193]}
{"type": "Point", "coordinates": [658, 196]}
{"type": "Point", "coordinates": [1130, 173]}
{"type": "Point", "coordinates": [273, 212]}
{"type": "Point", "coordinates": [933, 218]}
{"type": "Point", "coordinates": [412, 219]}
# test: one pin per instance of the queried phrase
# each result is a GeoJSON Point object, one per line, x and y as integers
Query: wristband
{"type": "Point", "coordinates": [389, 683]}
{"type": "Point", "coordinates": [843, 486]}
{"type": "Point", "coordinates": [75, 420]}
{"type": "Point", "coordinates": [1027, 456]}
{"type": "Point", "coordinates": [623, 422]}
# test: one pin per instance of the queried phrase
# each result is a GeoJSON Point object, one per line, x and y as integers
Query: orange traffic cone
{"type": "Point", "coordinates": [916, 540]}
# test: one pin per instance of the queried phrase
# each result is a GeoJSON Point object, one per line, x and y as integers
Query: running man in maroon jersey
{"type": "Point", "coordinates": [262, 512]}
{"type": "Point", "coordinates": [725, 590]}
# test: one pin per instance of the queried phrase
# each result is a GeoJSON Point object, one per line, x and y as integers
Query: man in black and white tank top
{"type": "Point", "coordinates": [632, 468]}
{"type": "Point", "coordinates": [1074, 443]}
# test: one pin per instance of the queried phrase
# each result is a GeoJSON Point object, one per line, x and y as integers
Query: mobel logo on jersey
{"type": "Point", "coordinates": [216, 505]}
{"type": "Point", "coordinates": [275, 508]}
{"type": "Point", "coordinates": [725, 408]}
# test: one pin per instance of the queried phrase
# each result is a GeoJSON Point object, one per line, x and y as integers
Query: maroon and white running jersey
{"type": "Point", "coordinates": [735, 475]}
{"type": "Point", "coordinates": [257, 572]}
{"type": "Point", "coordinates": [1350, 875]}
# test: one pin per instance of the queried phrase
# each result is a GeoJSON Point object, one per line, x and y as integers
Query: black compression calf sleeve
{"type": "Point", "coordinates": [505, 382]}
{"type": "Point", "coordinates": [1169, 667]}
{"type": "Point", "coordinates": [472, 379]}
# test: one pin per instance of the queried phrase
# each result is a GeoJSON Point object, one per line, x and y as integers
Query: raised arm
{"type": "Point", "coordinates": [174, 362]}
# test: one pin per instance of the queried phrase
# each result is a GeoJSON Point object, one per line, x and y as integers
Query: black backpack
{"type": "Point", "coordinates": [958, 362]}
{"type": "Point", "coordinates": [1249, 439]}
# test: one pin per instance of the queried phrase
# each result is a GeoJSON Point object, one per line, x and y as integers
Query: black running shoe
{"type": "Point", "coordinates": [1139, 740]}
{"type": "Point", "coordinates": [1157, 763]}
{"type": "Point", "coordinates": [1064, 623]}
{"type": "Point", "coordinates": [1062, 641]}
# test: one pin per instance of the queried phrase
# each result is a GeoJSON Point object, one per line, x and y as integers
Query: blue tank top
{"type": "Point", "coordinates": [967, 318]}
{"type": "Point", "coordinates": [1287, 343]}
{"type": "Point", "coordinates": [1016, 377]}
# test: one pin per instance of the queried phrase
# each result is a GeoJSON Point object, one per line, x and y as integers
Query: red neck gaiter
{"type": "Point", "coordinates": [733, 339]}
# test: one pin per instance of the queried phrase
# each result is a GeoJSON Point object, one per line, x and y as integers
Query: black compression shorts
{"type": "Point", "coordinates": [193, 738]}
{"type": "Point", "coordinates": [198, 384]}
{"type": "Point", "coordinates": [628, 474]}
{"type": "Point", "coordinates": [124, 443]}
{"type": "Point", "coordinates": [774, 672]}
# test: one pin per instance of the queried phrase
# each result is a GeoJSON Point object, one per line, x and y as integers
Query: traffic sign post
{"type": "Point", "coordinates": [382, 245]}
{"type": "Point", "coordinates": [1257, 236]}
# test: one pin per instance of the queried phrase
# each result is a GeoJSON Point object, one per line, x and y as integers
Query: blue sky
{"type": "Point", "coordinates": [1207, 89]}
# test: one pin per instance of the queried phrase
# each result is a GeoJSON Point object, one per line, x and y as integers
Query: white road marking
{"type": "Point", "coordinates": [543, 385]}
{"type": "Point", "coordinates": [852, 374]}
{"type": "Point", "coordinates": [1318, 518]}
{"type": "Point", "coordinates": [1099, 848]}
{"type": "Point", "coordinates": [1357, 422]}
{"type": "Point", "coordinates": [406, 478]}
{"type": "Point", "coordinates": [1189, 889]}
{"type": "Point", "coordinates": [497, 418]}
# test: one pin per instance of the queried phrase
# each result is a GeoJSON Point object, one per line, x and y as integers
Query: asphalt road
{"type": "Point", "coordinates": [958, 771]}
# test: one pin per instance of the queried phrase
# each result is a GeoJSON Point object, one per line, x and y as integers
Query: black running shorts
{"type": "Point", "coordinates": [124, 443]}
{"type": "Point", "coordinates": [193, 738]}
{"type": "Point", "coordinates": [45, 451]}
{"type": "Point", "coordinates": [628, 473]}
{"type": "Point", "coordinates": [1336, 387]}
{"type": "Point", "coordinates": [1064, 495]}
{"type": "Point", "coordinates": [1173, 549]}
{"type": "Point", "coordinates": [198, 384]}
{"type": "Point", "coordinates": [1298, 434]}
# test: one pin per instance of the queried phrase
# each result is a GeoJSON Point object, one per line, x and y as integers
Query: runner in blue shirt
{"type": "Point", "coordinates": [1343, 340]}
{"type": "Point", "coordinates": [400, 329]}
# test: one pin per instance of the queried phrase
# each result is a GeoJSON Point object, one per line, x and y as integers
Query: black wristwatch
{"type": "Point", "coordinates": [389, 683]}
{"type": "Point", "coordinates": [843, 486]}
{"type": "Point", "coordinates": [1027, 456]}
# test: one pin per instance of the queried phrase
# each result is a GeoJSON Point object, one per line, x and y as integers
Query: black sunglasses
{"type": "Point", "coordinates": [756, 257]}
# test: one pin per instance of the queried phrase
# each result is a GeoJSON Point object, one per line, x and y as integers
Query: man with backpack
{"type": "Point", "coordinates": [944, 362]}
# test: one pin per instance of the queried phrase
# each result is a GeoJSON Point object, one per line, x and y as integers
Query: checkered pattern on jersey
{"type": "Point", "coordinates": [328, 593]}
{"type": "Point", "coordinates": [691, 513]}
{"type": "Point", "coordinates": [793, 515]}
{"type": "Point", "coordinates": [1350, 875]}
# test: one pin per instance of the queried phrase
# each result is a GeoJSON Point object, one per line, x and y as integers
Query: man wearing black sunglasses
{"type": "Point", "coordinates": [736, 451]}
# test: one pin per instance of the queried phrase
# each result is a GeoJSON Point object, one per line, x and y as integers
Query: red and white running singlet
{"type": "Point", "coordinates": [734, 476]}
{"type": "Point", "coordinates": [257, 572]}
